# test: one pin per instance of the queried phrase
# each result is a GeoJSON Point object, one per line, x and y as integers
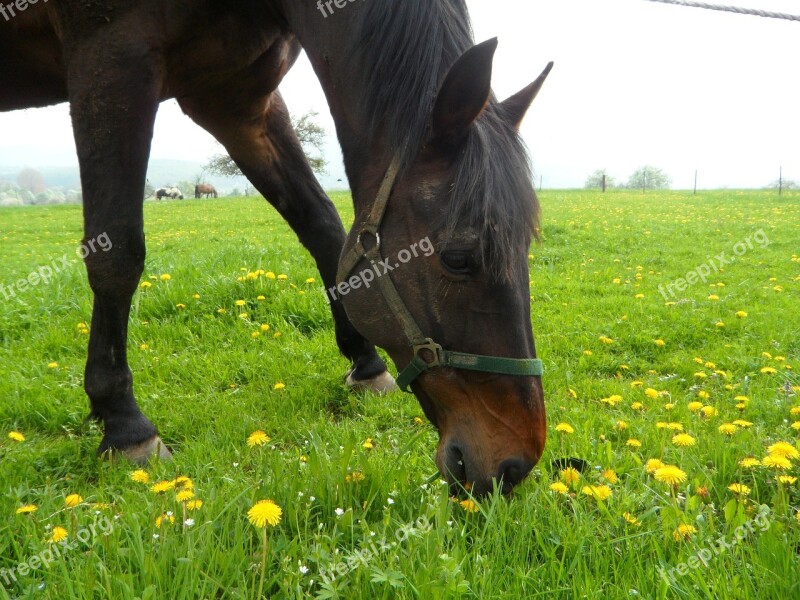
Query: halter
{"type": "Point", "coordinates": [427, 353]}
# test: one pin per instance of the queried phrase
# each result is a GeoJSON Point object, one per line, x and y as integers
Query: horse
{"type": "Point", "coordinates": [434, 160]}
{"type": "Point", "coordinates": [170, 192]}
{"type": "Point", "coordinates": [205, 188]}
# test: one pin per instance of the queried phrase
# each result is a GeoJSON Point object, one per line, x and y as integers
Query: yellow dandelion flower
{"type": "Point", "coordinates": [598, 492]}
{"type": "Point", "coordinates": [612, 400]}
{"type": "Point", "coordinates": [469, 506]}
{"type": "Point", "coordinates": [741, 314]}
{"type": "Point", "coordinates": [565, 428]}
{"type": "Point", "coordinates": [165, 518]}
{"type": "Point", "coordinates": [669, 406]}
{"type": "Point", "coordinates": [660, 343]}
{"type": "Point", "coordinates": [703, 395]}
{"type": "Point", "coordinates": [651, 393]}
{"type": "Point", "coordinates": [559, 488]}
{"type": "Point", "coordinates": [631, 520]}
{"type": "Point", "coordinates": [183, 482]}
{"type": "Point", "coordinates": [264, 328]}
{"type": "Point", "coordinates": [621, 425]}
{"type": "Point", "coordinates": [635, 384]}
{"type": "Point", "coordinates": [694, 406]}
{"type": "Point", "coordinates": [709, 411]}
{"type": "Point", "coordinates": [776, 462]}
{"type": "Point", "coordinates": [742, 423]}
{"type": "Point", "coordinates": [739, 489]}
{"type": "Point", "coordinates": [639, 296]}
{"type": "Point", "coordinates": [795, 425]}
{"type": "Point", "coordinates": [709, 365]}
{"type": "Point", "coordinates": [279, 386]}
{"type": "Point", "coordinates": [27, 509]}
{"type": "Point", "coordinates": [418, 421]}
{"type": "Point", "coordinates": [184, 496]}
{"type": "Point", "coordinates": [355, 477]}
{"type": "Point", "coordinates": [255, 334]}
{"type": "Point", "coordinates": [606, 340]}
{"type": "Point", "coordinates": [140, 476]}
{"type": "Point", "coordinates": [57, 535]}
{"type": "Point", "coordinates": [52, 365]}
{"type": "Point", "coordinates": [166, 277]}
{"type": "Point", "coordinates": [180, 306]}
{"type": "Point", "coordinates": [240, 303]}
{"type": "Point", "coordinates": [637, 406]}
{"type": "Point", "coordinates": [282, 277]}
{"type": "Point", "coordinates": [784, 449]}
{"type": "Point", "coordinates": [768, 371]}
{"type": "Point", "coordinates": [368, 444]}
{"type": "Point", "coordinates": [258, 438]}
{"type": "Point", "coordinates": [145, 284]}
{"type": "Point", "coordinates": [684, 532]}
{"type": "Point", "coordinates": [194, 504]}
{"type": "Point", "coordinates": [683, 440]}
{"type": "Point", "coordinates": [633, 443]}
{"type": "Point", "coordinates": [263, 513]}
{"type": "Point", "coordinates": [749, 462]}
{"type": "Point", "coordinates": [588, 353]}
{"type": "Point", "coordinates": [795, 411]}
{"type": "Point", "coordinates": [570, 476]}
{"type": "Point", "coordinates": [311, 280]}
{"type": "Point", "coordinates": [16, 436]}
{"type": "Point", "coordinates": [787, 479]}
{"type": "Point", "coordinates": [72, 500]}
{"type": "Point", "coordinates": [670, 475]}
{"type": "Point", "coordinates": [610, 476]}
{"type": "Point", "coordinates": [162, 486]}
{"type": "Point", "coordinates": [698, 360]}
{"type": "Point", "coordinates": [713, 297]}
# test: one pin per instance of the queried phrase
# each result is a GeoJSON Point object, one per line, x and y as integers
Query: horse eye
{"type": "Point", "coordinates": [457, 262]}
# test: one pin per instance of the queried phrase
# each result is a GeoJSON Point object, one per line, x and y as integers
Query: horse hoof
{"type": "Point", "coordinates": [380, 384]}
{"type": "Point", "coordinates": [143, 453]}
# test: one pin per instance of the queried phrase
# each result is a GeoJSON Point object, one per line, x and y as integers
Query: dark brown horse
{"type": "Point", "coordinates": [205, 189]}
{"type": "Point", "coordinates": [430, 153]}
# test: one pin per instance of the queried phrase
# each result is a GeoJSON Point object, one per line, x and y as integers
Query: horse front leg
{"type": "Point", "coordinates": [258, 135]}
{"type": "Point", "coordinates": [114, 95]}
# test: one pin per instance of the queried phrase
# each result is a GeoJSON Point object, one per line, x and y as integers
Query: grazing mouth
{"type": "Point", "coordinates": [455, 471]}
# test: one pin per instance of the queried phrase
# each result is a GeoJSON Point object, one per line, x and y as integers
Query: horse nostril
{"type": "Point", "coordinates": [514, 470]}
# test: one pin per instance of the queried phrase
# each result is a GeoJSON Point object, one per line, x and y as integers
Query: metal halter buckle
{"type": "Point", "coordinates": [435, 349]}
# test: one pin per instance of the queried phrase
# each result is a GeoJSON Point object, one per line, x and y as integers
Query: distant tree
{"type": "Point", "coordinates": [31, 180]}
{"type": "Point", "coordinates": [149, 190]}
{"type": "Point", "coordinates": [310, 134]}
{"type": "Point", "coordinates": [595, 180]}
{"type": "Point", "coordinates": [786, 184]}
{"type": "Point", "coordinates": [649, 178]}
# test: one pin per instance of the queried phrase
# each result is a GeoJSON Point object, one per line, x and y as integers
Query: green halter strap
{"type": "Point", "coordinates": [427, 353]}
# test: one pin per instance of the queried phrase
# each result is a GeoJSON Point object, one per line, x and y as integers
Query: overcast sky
{"type": "Point", "coordinates": [634, 83]}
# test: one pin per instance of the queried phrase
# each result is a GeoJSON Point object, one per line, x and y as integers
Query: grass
{"type": "Point", "coordinates": [372, 522]}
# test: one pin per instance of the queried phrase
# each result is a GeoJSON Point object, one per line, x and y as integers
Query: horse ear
{"type": "Point", "coordinates": [514, 108]}
{"type": "Point", "coordinates": [464, 94]}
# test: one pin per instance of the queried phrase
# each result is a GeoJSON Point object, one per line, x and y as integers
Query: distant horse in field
{"type": "Point", "coordinates": [435, 268]}
{"type": "Point", "coordinates": [171, 192]}
{"type": "Point", "coordinates": [205, 189]}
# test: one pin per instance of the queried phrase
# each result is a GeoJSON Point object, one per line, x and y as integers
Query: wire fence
{"type": "Point", "coordinates": [733, 9]}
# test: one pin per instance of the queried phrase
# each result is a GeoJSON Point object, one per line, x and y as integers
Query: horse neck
{"type": "Point", "coordinates": [366, 157]}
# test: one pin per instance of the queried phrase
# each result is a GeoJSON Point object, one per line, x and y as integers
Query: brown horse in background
{"type": "Point", "coordinates": [206, 189]}
{"type": "Point", "coordinates": [430, 154]}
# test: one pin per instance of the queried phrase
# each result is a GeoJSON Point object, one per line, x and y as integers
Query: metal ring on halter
{"type": "Point", "coordinates": [375, 234]}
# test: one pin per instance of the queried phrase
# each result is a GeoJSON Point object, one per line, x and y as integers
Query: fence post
{"type": "Point", "coordinates": [780, 182]}
{"type": "Point", "coordinates": [604, 183]}
{"type": "Point", "coordinates": [695, 182]}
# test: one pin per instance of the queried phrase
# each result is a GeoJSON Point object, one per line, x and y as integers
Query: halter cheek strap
{"type": "Point", "coordinates": [427, 354]}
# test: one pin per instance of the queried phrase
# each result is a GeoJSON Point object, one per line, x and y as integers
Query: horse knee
{"type": "Point", "coordinates": [115, 267]}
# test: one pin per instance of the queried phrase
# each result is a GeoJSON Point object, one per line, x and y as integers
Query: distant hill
{"type": "Point", "coordinates": [159, 173]}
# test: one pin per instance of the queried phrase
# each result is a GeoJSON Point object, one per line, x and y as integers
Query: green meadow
{"type": "Point", "coordinates": [686, 405]}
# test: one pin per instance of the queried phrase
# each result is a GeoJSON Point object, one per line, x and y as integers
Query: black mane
{"type": "Point", "coordinates": [405, 49]}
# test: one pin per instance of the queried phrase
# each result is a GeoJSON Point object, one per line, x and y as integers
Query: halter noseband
{"type": "Point", "coordinates": [427, 353]}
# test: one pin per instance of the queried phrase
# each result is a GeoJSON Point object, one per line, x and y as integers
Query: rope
{"type": "Point", "coordinates": [734, 9]}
